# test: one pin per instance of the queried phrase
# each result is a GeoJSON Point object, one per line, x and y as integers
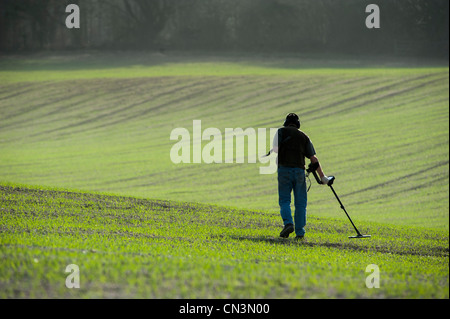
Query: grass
{"type": "Point", "coordinates": [140, 248]}
{"type": "Point", "coordinates": [124, 65]}
{"type": "Point", "coordinates": [383, 132]}
{"type": "Point", "coordinates": [86, 177]}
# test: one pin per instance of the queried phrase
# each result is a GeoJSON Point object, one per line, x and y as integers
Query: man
{"type": "Point", "coordinates": [292, 146]}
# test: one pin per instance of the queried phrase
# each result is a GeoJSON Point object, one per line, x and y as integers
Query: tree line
{"type": "Point", "coordinates": [408, 27]}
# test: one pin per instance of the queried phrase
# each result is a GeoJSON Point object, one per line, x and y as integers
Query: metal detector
{"type": "Point", "coordinates": [312, 169]}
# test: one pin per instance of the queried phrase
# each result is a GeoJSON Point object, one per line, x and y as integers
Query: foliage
{"type": "Point", "coordinates": [409, 28]}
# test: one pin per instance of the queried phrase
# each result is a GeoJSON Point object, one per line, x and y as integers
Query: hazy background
{"type": "Point", "coordinates": [409, 28]}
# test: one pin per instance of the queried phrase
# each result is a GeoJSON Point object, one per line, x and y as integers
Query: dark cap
{"type": "Point", "coordinates": [292, 118]}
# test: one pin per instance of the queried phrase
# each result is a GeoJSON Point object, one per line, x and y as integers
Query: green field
{"type": "Point", "coordinates": [137, 248]}
{"type": "Point", "coordinates": [87, 178]}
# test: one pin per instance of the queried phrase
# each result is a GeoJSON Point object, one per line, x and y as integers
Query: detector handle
{"type": "Point", "coordinates": [312, 167]}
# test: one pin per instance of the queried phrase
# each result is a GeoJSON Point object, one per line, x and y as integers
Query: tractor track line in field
{"type": "Point", "coordinates": [114, 101]}
{"type": "Point", "coordinates": [396, 180]}
{"type": "Point", "coordinates": [290, 93]}
{"type": "Point", "coordinates": [71, 87]}
{"type": "Point", "coordinates": [370, 92]}
{"type": "Point", "coordinates": [165, 104]}
{"type": "Point", "coordinates": [295, 98]}
{"type": "Point", "coordinates": [106, 115]}
{"type": "Point", "coordinates": [365, 103]}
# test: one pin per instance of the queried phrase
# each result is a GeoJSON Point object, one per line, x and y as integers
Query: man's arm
{"type": "Point", "coordinates": [319, 170]}
{"type": "Point", "coordinates": [314, 159]}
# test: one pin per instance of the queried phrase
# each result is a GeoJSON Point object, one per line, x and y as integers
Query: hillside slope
{"type": "Point", "coordinates": [127, 247]}
{"type": "Point", "coordinates": [382, 131]}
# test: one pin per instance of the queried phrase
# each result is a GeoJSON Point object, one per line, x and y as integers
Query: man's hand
{"type": "Point", "coordinates": [324, 180]}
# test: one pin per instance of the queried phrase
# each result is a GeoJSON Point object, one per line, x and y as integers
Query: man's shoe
{"type": "Point", "coordinates": [299, 237]}
{"type": "Point", "coordinates": [289, 228]}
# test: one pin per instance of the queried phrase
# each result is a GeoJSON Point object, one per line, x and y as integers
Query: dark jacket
{"type": "Point", "coordinates": [293, 147]}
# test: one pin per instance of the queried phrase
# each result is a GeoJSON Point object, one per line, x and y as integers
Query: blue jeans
{"type": "Point", "coordinates": [292, 179]}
